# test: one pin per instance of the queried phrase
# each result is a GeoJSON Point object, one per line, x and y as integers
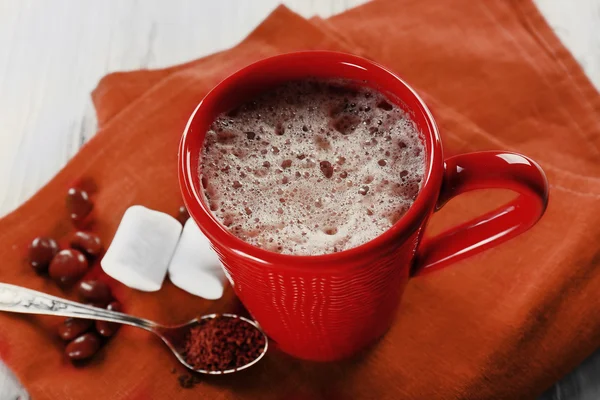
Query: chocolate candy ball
{"type": "Point", "coordinates": [108, 329]}
{"type": "Point", "coordinates": [83, 347]}
{"type": "Point", "coordinates": [183, 215]}
{"type": "Point", "coordinates": [73, 327]}
{"type": "Point", "coordinates": [87, 242]}
{"type": "Point", "coordinates": [114, 306]}
{"type": "Point", "coordinates": [79, 204]}
{"type": "Point", "coordinates": [41, 252]}
{"type": "Point", "coordinates": [68, 266]}
{"type": "Point", "coordinates": [96, 292]}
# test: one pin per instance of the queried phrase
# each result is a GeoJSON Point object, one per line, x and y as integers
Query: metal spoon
{"type": "Point", "coordinates": [26, 301]}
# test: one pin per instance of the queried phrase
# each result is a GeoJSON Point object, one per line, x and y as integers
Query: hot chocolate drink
{"type": "Point", "coordinates": [312, 167]}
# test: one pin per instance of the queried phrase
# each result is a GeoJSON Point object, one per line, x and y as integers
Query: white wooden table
{"type": "Point", "coordinates": [52, 54]}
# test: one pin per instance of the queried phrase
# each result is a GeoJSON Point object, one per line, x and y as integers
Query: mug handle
{"type": "Point", "coordinates": [484, 170]}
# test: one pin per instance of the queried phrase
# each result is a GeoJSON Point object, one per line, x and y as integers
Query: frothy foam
{"type": "Point", "coordinates": [312, 167]}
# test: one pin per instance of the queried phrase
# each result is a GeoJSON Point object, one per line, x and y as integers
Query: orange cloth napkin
{"type": "Point", "coordinates": [504, 324]}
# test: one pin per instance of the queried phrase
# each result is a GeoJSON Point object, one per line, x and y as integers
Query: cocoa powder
{"type": "Point", "coordinates": [222, 343]}
{"type": "Point", "coordinates": [188, 381]}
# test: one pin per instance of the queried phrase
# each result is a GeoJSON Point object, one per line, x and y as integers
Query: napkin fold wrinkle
{"type": "Point", "coordinates": [504, 324]}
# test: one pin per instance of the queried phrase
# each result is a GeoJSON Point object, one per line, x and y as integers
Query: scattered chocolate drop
{"type": "Point", "coordinates": [183, 215]}
{"type": "Point", "coordinates": [79, 204]}
{"type": "Point", "coordinates": [114, 306]}
{"type": "Point", "coordinates": [87, 242]}
{"type": "Point", "coordinates": [73, 327]}
{"type": "Point", "coordinates": [41, 252]}
{"type": "Point", "coordinates": [83, 347]}
{"type": "Point", "coordinates": [106, 329]}
{"type": "Point", "coordinates": [363, 190]}
{"type": "Point", "coordinates": [68, 266]}
{"type": "Point", "coordinates": [95, 291]}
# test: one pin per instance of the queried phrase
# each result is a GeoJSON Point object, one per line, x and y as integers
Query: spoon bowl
{"type": "Point", "coordinates": [26, 301]}
{"type": "Point", "coordinates": [174, 337]}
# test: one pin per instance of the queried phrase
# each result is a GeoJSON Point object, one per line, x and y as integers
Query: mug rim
{"type": "Point", "coordinates": [411, 221]}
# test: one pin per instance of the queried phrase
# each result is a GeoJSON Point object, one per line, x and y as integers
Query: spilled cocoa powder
{"type": "Point", "coordinates": [188, 381]}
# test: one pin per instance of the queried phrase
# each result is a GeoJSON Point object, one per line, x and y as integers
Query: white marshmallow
{"type": "Point", "coordinates": [195, 266]}
{"type": "Point", "coordinates": [141, 249]}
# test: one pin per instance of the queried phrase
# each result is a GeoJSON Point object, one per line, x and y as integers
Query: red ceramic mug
{"type": "Point", "coordinates": [330, 306]}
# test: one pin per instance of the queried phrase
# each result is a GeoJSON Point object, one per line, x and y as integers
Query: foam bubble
{"type": "Point", "coordinates": [312, 167]}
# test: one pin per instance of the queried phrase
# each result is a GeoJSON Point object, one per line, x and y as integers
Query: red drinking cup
{"type": "Point", "coordinates": [328, 307]}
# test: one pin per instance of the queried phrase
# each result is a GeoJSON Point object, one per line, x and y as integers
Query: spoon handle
{"type": "Point", "coordinates": [18, 299]}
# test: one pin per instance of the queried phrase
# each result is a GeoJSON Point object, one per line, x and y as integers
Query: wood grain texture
{"type": "Point", "coordinates": [53, 53]}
